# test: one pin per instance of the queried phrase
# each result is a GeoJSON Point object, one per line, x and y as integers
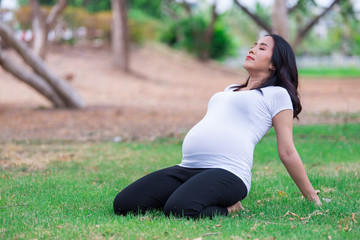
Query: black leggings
{"type": "Point", "coordinates": [188, 192]}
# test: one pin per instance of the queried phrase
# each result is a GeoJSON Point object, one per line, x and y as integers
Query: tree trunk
{"type": "Point", "coordinates": [69, 95]}
{"type": "Point", "coordinates": [31, 79]}
{"type": "Point", "coordinates": [280, 19]}
{"type": "Point", "coordinates": [205, 55]}
{"type": "Point", "coordinates": [42, 26]}
{"type": "Point", "coordinates": [54, 14]}
{"type": "Point", "coordinates": [39, 29]}
{"type": "Point", "coordinates": [120, 35]}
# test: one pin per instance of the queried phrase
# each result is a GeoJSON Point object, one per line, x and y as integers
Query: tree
{"type": "Point", "coordinates": [205, 55]}
{"type": "Point", "coordinates": [42, 79]}
{"type": "Point", "coordinates": [120, 35]}
{"type": "Point", "coordinates": [280, 19]}
{"type": "Point", "coordinates": [305, 29]}
{"type": "Point", "coordinates": [41, 25]}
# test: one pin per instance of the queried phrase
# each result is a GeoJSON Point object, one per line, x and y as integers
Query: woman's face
{"type": "Point", "coordinates": [259, 56]}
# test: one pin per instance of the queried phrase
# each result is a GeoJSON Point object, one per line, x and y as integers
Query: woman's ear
{"type": "Point", "coordinates": [272, 68]}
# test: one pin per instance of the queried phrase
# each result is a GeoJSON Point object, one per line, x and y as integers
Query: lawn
{"type": "Point", "coordinates": [64, 190]}
{"type": "Point", "coordinates": [330, 72]}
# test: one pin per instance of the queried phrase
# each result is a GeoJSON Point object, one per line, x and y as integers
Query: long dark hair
{"type": "Point", "coordinates": [285, 74]}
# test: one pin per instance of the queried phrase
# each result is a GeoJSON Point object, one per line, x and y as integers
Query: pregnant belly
{"type": "Point", "coordinates": [217, 140]}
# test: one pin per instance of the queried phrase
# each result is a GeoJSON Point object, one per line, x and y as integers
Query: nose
{"type": "Point", "coordinates": [251, 51]}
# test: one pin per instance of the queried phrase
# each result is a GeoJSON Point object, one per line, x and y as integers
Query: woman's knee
{"type": "Point", "coordinates": [180, 209]}
{"type": "Point", "coordinates": [172, 210]}
{"type": "Point", "coordinates": [123, 206]}
{"type": "Point", "coordinates": [119, 205]}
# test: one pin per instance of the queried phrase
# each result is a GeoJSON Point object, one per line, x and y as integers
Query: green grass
{"type": "Point", "coordinates": [64, 190]}
{"type": "Point", "coordinates": [329, 72]}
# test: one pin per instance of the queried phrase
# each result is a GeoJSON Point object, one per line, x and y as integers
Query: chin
{"type": "Point", "coordinates": [247, 68]}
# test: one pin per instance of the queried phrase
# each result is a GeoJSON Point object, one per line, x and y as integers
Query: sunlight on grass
{"type": "Point", "coordinates": [65, 190]}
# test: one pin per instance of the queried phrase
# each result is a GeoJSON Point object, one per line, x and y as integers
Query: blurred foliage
{"type": "Point", "coordinates": [78, 14]}
{"type": "Point", "coordinates": [189, 34]}
{"type": "Point", "coordinates": [152, 8]}
{"type": "Point", "coordinates": [23, 16]}
{"type": "Point", "coordinates": [222, 44]}
{"type": "Point", "coordinates": [350, 29]}
{"type": "Point", "coordinates": [169, 22]}
{"type": "Point", "coordinates": [184, 34]}
{"type": "Point", "coordinates": [263, 12]}
{"type": "Point", "coordinates": [243, 29]}
{"type": "Point", "coordinates": [89, 5]}
{"type": "Point", "coordinates": [92, 5]}
{"type": "Point", "coordinates": [97, 24]}
{"type": "Point", "coordinates": [342, 34]}
{"type": "Point", "coordinates": [143, 27]}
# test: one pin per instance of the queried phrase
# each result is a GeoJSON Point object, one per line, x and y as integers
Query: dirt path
{"type": "Point", "coordinates": [165, 95]}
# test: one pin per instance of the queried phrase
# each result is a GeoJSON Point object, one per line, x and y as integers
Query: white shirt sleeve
{"type": "Point", "coordinates": [280, 101]}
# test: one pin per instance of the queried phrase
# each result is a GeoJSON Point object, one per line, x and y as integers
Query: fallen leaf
{"type": "Point", "coordinates": [291, 214]}
{"type": "Point", "coordinates": [317, 212]}
{"type": "Point", "coordinates": [282, 194]}
{"type": "Point", "coordinates": [327, 190]}
{"type": "Point", "coordinates": [327, 200]}
{"type": "Point", "coordinates": [255, 226]}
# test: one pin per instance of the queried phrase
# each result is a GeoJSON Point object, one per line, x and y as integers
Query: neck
{"type": "Point", "coordinates": [256, 80]}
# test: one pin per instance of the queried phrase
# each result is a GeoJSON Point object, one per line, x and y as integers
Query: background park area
{"type": "Point", "coordinates": [61, 167]}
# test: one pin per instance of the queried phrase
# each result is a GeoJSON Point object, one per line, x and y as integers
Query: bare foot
{"type": "Point", "coordinates": [235, 208]}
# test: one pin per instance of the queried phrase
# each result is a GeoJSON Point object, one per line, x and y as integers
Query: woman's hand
{"type": "Point", "coordinates": [315, 198]}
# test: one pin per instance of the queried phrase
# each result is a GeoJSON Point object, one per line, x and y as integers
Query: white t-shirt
{"type": "Point", "coordinates": [233, 124]}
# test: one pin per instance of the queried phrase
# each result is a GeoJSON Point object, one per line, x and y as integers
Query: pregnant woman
{"type": "Point", "coordinates": [215, 172]}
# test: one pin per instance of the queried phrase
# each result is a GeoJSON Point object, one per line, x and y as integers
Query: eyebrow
{"type": "Point", "coordinates": [261, 44]}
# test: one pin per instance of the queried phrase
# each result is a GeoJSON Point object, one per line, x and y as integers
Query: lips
{"type": "Point", "coordinates": [249, 58]}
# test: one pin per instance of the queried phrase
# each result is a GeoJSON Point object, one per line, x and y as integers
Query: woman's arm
{"type": "Point", "coordinates": [283, 125]}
